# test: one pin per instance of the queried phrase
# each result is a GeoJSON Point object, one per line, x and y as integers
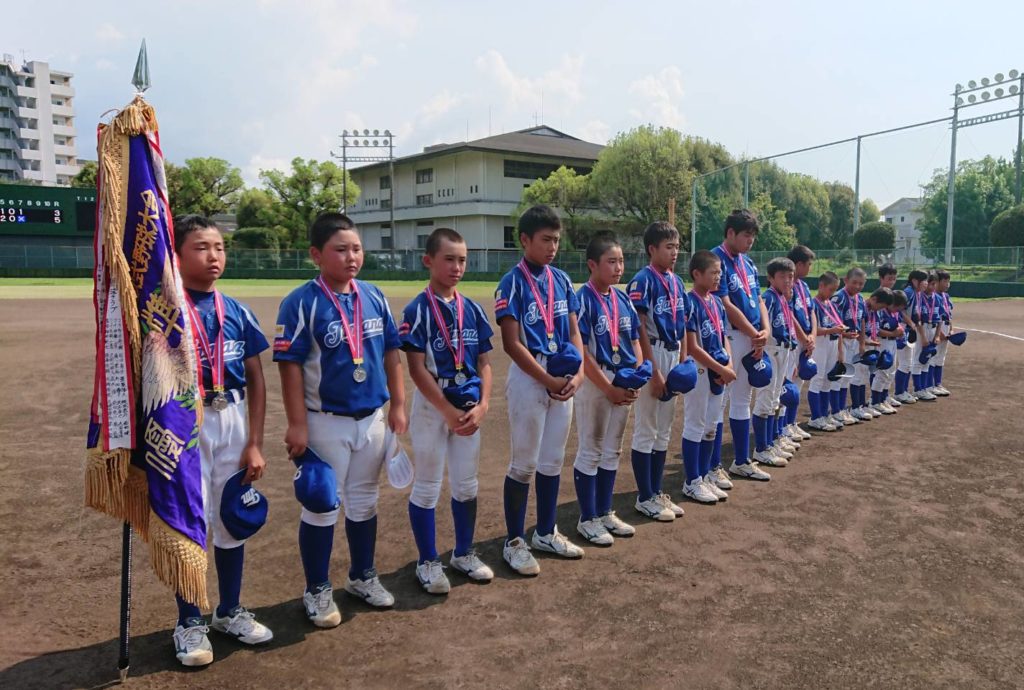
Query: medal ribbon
{"type": "Point", "coordinates": [612, 318]}
{"type": "Point", "coordinates": [873, 324]}
{"type": "Point", "coordinates": [672, 294]}
{"type": "Point", "coordinates": [805, 296]}
{"type": "Point", "coordinates": [547, 315]}
{"type": "Point", "coordinates": [787, 313]}
{"type": "Point", "coordinates": [741, 269]}
{"type": "Point", "coordinates": [459, 354]}
{"type": "Point", "coordinates": [919, 305]}
{"type": "Point", "coordinates": [830, 311]}
{"type": "Point", "coordinates": [353, 331]}
{"type": "Point", "coordinates": [202, 342]}
{"type": "Point", "coordinates": [931, 308]}
{"type": "Point", "coordinates": [852, 302]}
{"type": "Point", "coordinates": [716, 321]}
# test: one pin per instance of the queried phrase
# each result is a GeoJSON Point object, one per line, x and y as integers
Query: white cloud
{"type": "Point", "coordinates": [554, 92]}
{"type": "Point", "coordinates": [660, 95]}
{"type": "Point", "coordinates": [251, 171]}
{"type": "Point", "coordinates": [104, 64]}
{"type": "Point", "coordinates": [596, 131]}
{"type": "Point", "coordinates": [440, 104]}
{"type": "Point", "coordinates": [108, 33]}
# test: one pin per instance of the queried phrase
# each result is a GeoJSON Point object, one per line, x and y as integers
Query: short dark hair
{"type": "Point", "coordinates": [932, 276]}
{"type": "Point", "coordinates": [434, 241]}
{"type": "Point", "coordinates": [326, 224]}
{"type": "Point", "coordinates": [942, 274]}
{"type": "Point", "coordinates": [187, 224]}
{"type": "Point", "coordinates": [828, 278]}
{"type": "Point", "coordinates": [856, 272]}
{"type": "Point", "coordinates": [882, 295]}
{"type": "Point", "coordinates": [600, 243]}
{"type": "Point", "coordinates": [741, 220]}
{"type": "Point", "coordinates": [702, 260]}
{"type": "Point", "coordinates": [801, 254]}
{"type": "Point", "coordinates": [539, 217]}
{"type": "Point", "coordinates": [918, 275]}
{"type": "Point", "coordinates": [899, 298]}
{"type": "Point", "coordinates": [657, 232]}
{"type": "Point", "coordinates": [887, 270]}
{"type": "Point", "coordinates": [780, 264]}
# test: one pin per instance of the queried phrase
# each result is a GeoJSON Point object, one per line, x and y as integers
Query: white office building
{"type": "Point", "coordinates": [37, 123]}
{"type": "Point", "coordinates": [473, 187]}
{"type": "Point", "coordinates": [903, 214]}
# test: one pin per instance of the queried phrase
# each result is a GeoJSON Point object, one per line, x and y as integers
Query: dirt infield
{"type": "Point", "coordinates": [888, 555]}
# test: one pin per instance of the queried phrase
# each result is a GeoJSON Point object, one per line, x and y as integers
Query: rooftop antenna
{"type": "Point", "coordinates": [488, 120]}
{"type": "Point", "coordinates": [542, 106]}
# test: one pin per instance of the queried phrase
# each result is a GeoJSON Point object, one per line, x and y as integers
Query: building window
{"type": "Point", "coordinates": [421, 241]}
{"type": "Point", "coordinates": [424, 176]}
{"type": "Point", "coordinates": [527, 170]}
{"type": "Point", "coordinates": [424, 223]}
{"type": "Point", "coordinates": [510, 237]}
{"type": "Point", "coordinates": [901, 219]}
{"type": "Point", "coordinates": [385, 204]}
{"type": "Point", "coordinates": [424, 199]}
{"type": "Point", "coordinates": [385, 181]}
{"type": "Point", "coordinates": [386, 241]}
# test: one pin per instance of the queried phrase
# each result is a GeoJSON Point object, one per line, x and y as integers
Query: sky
{"type": "Point", "coordinates": [260, 82]}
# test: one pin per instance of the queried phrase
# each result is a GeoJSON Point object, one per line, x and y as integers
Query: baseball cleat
{"type": "Point", "coordinates": [891, 401]}
{"type": "Point", "coordinates": [697, 491]}
{"type": "Point", "coordinates": [848, 418]}
{"type": "Point", "coordinates": [749, 470]}
{"type": "Point", "coordinates": [614, 524]}
{"type": "Point", "coordinates": [861, 415]}
{"type": "Point", "coordinates": [557, 544]}
{"type": "Point", "coordinates": [767, 457]}
{"type": "Point", "coordinates": [836, 420]}
{"type": "Point", "coordinates": [370, 590]}
{"type": "Point", "coordinates": [666, 502]}
{"type": "Point", "coordinates": [653, 509]}
{"type": "Point", "coordinates": [191, 645]}
{"type": "Point", "coordinates": [320, 607]}
{"type": "Point", "coordinates": [906, 398]}
{"type": "Point", "coordinates": [721, 479]}
{"type": "Point", "coordinates": [471, 566]}
{"type": "Point", "coordinates": [788, 445]}
{"type": "Point", "coordinates": [779, 452]}
{"type": "Point", "coordinates": [594, 531]}
{"type": "Point", "coordinates": [873, 410]}
{"type": "Point", "coordinates": [801, 432]}
{"type": "Point", "coordinates": [940, 391]}
{"type": "Point", "coordinates": [709, 482]}
{"type": "Point", "coordinates": [517, 554]}
{"type": "Point", "coordinates": [925, 395]}
{"type": "Point", "coordinates": [242, 625]}
{"type": "Point", "coordinates": [821, 424]}
{"type": "Point", "coordinates": [432, 578]}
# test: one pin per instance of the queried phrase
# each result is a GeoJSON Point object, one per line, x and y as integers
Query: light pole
{"type": "Point", "coordinates": [371, 145]}
{"type": "Point", "coordinates": [968, 97]}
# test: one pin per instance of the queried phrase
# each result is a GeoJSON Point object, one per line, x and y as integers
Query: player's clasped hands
{"type": "Point", "coordinates": [656, 386]}
{"type": "Point", "coordinates": [622, 396]}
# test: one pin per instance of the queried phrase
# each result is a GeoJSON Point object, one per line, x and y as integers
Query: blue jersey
{"type": "Point", "coordinates": [802, 305]}
{"type": "Point", "coordinates": [242, 338]}
{"type": "Point", "coordinates": [945, 307]}
{"type": "Point", "coordinates": [699, 320]}
{"type": "Point", "coordinates": [593, 321]}
{"type": "Point", "coordinates": [731, 285]}
{"type": "Point", "coordinates": [852, 309]}
{"type": "Point", "coordinates": [781, 331]}
{"type": "Point", "coordinates": [515, 299]}
{"type": "Point", "coordinates": [419, 332]}
{"type": "Point", "coordinates": [826, 313]}
{"type": "Point", "coordinates": [889, 320]}
{"type": "Point", "coordinates": [924, 308]}
{"type": "Point", "coordinates": [653, 302]}
{"type": "Point", "coordinates": [310, 333]}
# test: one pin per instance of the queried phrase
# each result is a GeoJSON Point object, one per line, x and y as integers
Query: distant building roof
{"type": "Point", "coordinates": [912, 200]}
{"type": "Point", "coordinates": [539, 141]}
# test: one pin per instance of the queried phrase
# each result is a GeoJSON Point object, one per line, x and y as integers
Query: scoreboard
{"type": "Point", "coordinates": [35, 210]}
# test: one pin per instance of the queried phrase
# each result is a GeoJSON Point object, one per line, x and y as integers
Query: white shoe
{"type": "Point", "coordinates": [595, 532]}
{"type": "Point", "coordinates": [780, 452]}
{"type": "Point", "coordinates": [940, 391]}
{"type": "Point", "coordinates": [891, 401]}
{"type": "Point", "coordinates": [821, 424]}
{"type": "Point", "coordinates": [862, 415]}
{"type": "Point", "coordinates": [653, 509]}
{"type": "Point", "coordinates": [370, 590]}
{"type": "Point", "coordinates": [767, 457]}
{"type": "Point", "coordinates": [906, 398]}
{"type": "Point", "coordinates": [242, 625]}
{"type": "Point", "coordinates": [709, 481]}
{"type": "Point", "coordinates": [836, 420]}
{"type": "Point", "coordinates": [517, 554]}
{"type": "Point", "coordinates": [471, 566]}
{"type": "Point", "coordinates": [873, 410]}
{"type": "Point", "coordinates": [885, 408]}
{"type": "Point", "coordinates": [320, 607]}
{"type": "Point", "coordinates": [614, 524]}
{"type": "Point", "coordinates": [788, 445]}
{"type": "Point", "coordinates": [666, 502]}
{"type": "Point", "coordinates": [848, 418]}
{"type": "Point", "coordinates": [191, 645]}
{"type": "Point", "coordinates": [697, 491]}
{"type": "Point", "coordinates": [721, 479]}
{"type": "Point", "coordinates": [802, 432]}
{"type": "Point", "coordinates": [432, 578]}
{"type": "Point", "coordinates": [557, 544]}
{"type": "Point", "coordinates": [925, 395]}
{"type": "Point", "coordinates": [749, 470]}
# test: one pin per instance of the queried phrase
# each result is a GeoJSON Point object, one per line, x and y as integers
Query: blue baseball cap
{"type": "Point", "coordinates": [566, 362]}
{"type": "Point", "coordinates": [885, 360]}
{"type": "Point", "coordinates": [722, 358]}
{"type": "Point", "coordinates": [464, 396]}
{"type": "Point", "coordinates": [870, 358]}
{"type": "Point", "coordinates": [759, 371]}
{"type": "Point", "coordinates": [958, 338]}
{"type": "Point", "coordinates": [633, 378]}
{"type": "Point", "coordinates": [243, 509]}
{"type": "Point", "coordinates": [901, 343]}
{"type": "Point", "coordinates": [927, 352]}
{"type": "Point", "coordinates": [790, 395]}
{"type": "Point", "coordinates": [681, 379]}
{"type": "Point", "coordinates": [807, 368]}
{"type": "Point", "coordinates": [316, 486]}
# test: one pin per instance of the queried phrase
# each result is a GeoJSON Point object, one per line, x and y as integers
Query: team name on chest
{"type": "Point", "coordinates": [601, 324]}
{"type": "Point", "coordinates": [663, 305]}
{"type": "Point", "coordinates": [469, 337]}
{"type": "Point", "coordinates": [533, 314]}
{"type": "Point", "coordinates": [334, 334]}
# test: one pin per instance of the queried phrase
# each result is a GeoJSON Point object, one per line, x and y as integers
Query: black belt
{"type": "Point", "coordinates": [886, 337]}
{"type": "Point", "coordinates": [234, 395]}
{"type": "Point", "coordinates": [671, 347]}
{"type": "Point", "coordinates": [834, 336]}
{"type": "Point", "coordinates": [361, 414]}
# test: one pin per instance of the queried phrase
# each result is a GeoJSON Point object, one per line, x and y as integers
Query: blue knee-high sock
{"type": "Point", "coordinates": [814, 402]}
{"type": "Point", "coordinates": [516, 496]}
{"type": "Point", "coordinates": [791, 415]}
{"type": "Point", "coordinates": [760, 433]}
{"type": "Point", "coordinates": [740, 429]}
{"type": "Point", "coordinates": [857, 396]}
{"type": "Point", "coordinates": [464, 519]}
{"type": "Point", "coordinates": [642, 474]}
{"type": "Point", "coordinates": [777, 428]}
{"type": "Point", "coordinates": [716, 449]}
{"type": "Point", "coordinates": [424, 531]}
{"type": "Point", "coordinates": [315, 545]}
{"type": "Point", "coordinates": [547, 503]}
{"type": "Point", "coordinates": [229, 576]}
{"type": "Point", "coordinates": [186, 610]}
{"type": "Point", "coordinates": [691, 459]}
{"type": "Point", "coordinates": [843, 397]}
{"type": "Point", "coordinates": [900, 382]}
{"type": "Point", "coordinates": [931, 376]}
{"type": "Point", "coordinates": [937, 375]}
{"type": "Point", "coordinates": [918, 382]}
{"type": "Point", "coordinates": [835, 398]}
{"type": "Point", "coordinates": [362, 543]}
{"type": "Point", "coordinates": [707, 447]}
{"type": "Point", "coordinates": [586, 494]}
{"type": "Point", "coordinates": [657, 469]}
{"type": "Point", "coordinates": [605, 490]}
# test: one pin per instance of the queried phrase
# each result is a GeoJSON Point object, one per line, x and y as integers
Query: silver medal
{"type": "Point", "coordinates": [460, 378]}
{"type": "Point", "coordinates": [552, 346]}
{"type": "Point", "coordinates": [616, 358]}
{"type": "Point", "coordinates": [753, 303]}
{"type": "Point", "coordinates": [220, 402]}
{"type": "Point", "coordinates": [359, 374]}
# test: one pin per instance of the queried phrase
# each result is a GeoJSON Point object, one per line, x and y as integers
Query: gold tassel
{"type": "Point", "coordinates": [179, 562]}
{"type": "Point", "coordinates": [105, 474]}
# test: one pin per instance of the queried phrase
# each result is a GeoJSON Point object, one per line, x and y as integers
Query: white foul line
{"type": "Point", "coordinates": [1011, 337]}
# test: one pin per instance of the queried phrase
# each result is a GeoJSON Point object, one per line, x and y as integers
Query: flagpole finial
{"type": "Point", "coordinates": [140, 79]}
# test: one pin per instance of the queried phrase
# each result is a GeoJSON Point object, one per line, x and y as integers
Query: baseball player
{"type": "Point", "coordinates": [228, 343]}
{"type": "Point", "coordinates": [884, 326]}
{"type": "Point", "coordinates": [741, 295]}
{"type": "Point", "coordinates": [850, 304]}
{"type": "Point", "coordinates": [337, 350]}
{"type": "Point", "coordinates": [899, 305]}
{"type": "Point", "coordinates": [908, 367]}
{"type": "Point", "coordinates": [536, 307]}
{"type": "Point", "coordinates": [806, 324]}
{"type": "Point", "coordinates": [887, 276]}
{"type": "Point", "coordinates": [827, 352]}
{"type": "Point", "coordinates": [659, 297]}
{"type": "Point", "coordinates": [924, 313]}
{"type": "Point", "coordinates": [709, 346]}
{"type": "Point", "coordinates": [945, 308]}
{"type": "Point", "coordinates": [446, 338]}
{"type": "Point", "coordinates": [609, 330]}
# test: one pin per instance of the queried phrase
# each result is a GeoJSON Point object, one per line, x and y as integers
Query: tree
{"type": "Point", "coordinates": [570, 193]}
{"type": "Point", "coordinates": [806, 203]}
{"type": "Point", "coordinates": [256, 238]}
{"type": "Point", "coordinates": [257, 208]}
{"type": "Point", "coordinates": [206, 186]}
{"type": "Point", "coordinates": [1007, 228]}
{"type": "Point", "coordinates": [309, 189]}
{"type": "Point", "coordinates": [875, 235]}
{"type": "Point", "coordinates": [86, 176]}
{"type": "Point", "coordinates": [983, 189]}
{"type": "Point", "coordinates": [869, 211]}
{"type": "Point", "coordinates": [775, 233]}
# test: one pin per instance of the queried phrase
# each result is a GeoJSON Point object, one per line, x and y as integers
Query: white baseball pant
{"type": "Point", "coordinates": [905, 357]}
{"type": "Point", "coordinates": [884, 377]}
{"type": "Point", "coordinates": [432, 444]}
{"type": "Point", "coordinates": [940, 356]}
{"type": "Point", "coordinates": [861, 372]}
{"type": "Point", "coordinates": [599, 427]}
{"type": "Point", "coordinates": [702, 410]}
{"type": "Point", "coordinates": [826, 354]}
{"type": "Point", "coordinates": [539, 426]}
{"type": "Point", "coordinates": [766, 400]}
{"type": "Point", "coordinates": [222, 438]}
{"type": "Point", "coordinates": [652, 424]}
{"type": "Point", "coordinates": [739, 390]}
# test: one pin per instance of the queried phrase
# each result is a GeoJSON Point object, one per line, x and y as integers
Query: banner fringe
{"type": "Point", "coordinates": [178, 561]}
